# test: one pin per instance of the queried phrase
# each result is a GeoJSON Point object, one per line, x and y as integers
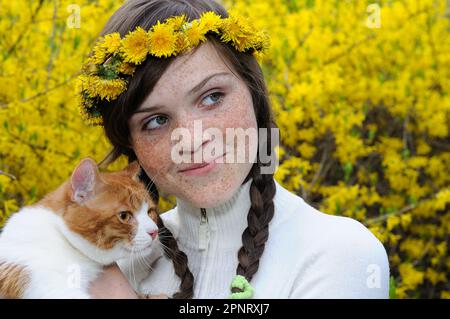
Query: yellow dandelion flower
{"type": "Point", "coordinates": [244, 43]}
{"type": "Point", "coordinates": [257, 40]}
{"type": "Point", "coordinates": [111, 42]}
{"type": "Point", "coordinates": [262, 41]}
{"type": "Point", "coordinates": [89, 118]}
{"type": "Point", "coordinates": [84, 114]}
{"type": "Point", "coordinates": [176, 22]}
{"type": "Point", "coordinates": [126, 68]}
{"type": "Point", "coordinates": [195, 33]}
{"type": "Point", "coordinates": [182, 42]}
{"type": "Point", "coordinates": [232, 27]}
{"type": "Point", "coordinates": [84, 83]}
{"type": "Point", "coordinates": [237, 30]}
{"type": "Point", "coordinates": [259, 56]}
{"type": "Point", "coordinates": [210, 21]}
{"type": "Point", "coordinates": [135, 46]}
{"type": "Point", "coordinates": [89, 67]}
{"type": "Point", "coordinates": [84, 101]}
{"type": "Point", "coordinates": [87, 85]}
{"type": "Point", "coordinates": [95, 120]}
{"type": "Point", "coordinates": [98, 53]}
{"type": "Point", "coordinates": [86, 107]}
{"type": "Point", "coordinates": [110, 89]}
{"type": "Point", "coordinates": [162, 40]}
{"type": "Point", "coordinates": [96, 86]}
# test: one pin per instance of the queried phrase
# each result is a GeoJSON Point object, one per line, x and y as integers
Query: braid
{"type": "Point", "coordinates": [180, 262]}
{"type": "Point", "coordinates": [254, 237]}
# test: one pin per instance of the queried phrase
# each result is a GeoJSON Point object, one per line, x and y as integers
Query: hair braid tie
{"type": "Point", "coordinates": [254, 237]}
{"type": "Point", "coordinates": [242, 287]}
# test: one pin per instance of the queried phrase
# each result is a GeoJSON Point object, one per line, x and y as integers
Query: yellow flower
{"type": "Point", "coordinates": [111, 42]}
{"type": "Point", "coordinates": [89, 67]}
{"type": "Point", "coordinates": [259, 56]}
{"type": "Point", "coordinates": [210, 21]}
{"type": "Point", "coordinates": [86, 105]}
{"type": "Point", "coordinates": [95, 121]}
{"type": "Point", "coordinates": [96, 86]}
{"type": "Point", "coordinates": [110, 89]}
{"type": "Point", "coordinates": [126, 68]}
{"type": "Point", "coordinates": [135, 46]}
{"type": "Point", "coordinates": [411, 277]}
{"type": "Point", "coordinates": [413, 247]}
{"type": "Point", "coordinates": [261, 41]}
{"type": "Point", "coordinates": [98, 53]}
{"type": "Point", "coordinates": [83, 83]}
{"type": "Point", "coordinates": [392, 222]}
{"type": "Point", "coordinates": [90, 118]}
{"type": "Point", "coordinates": [176, 22]}
{"type": "Point", "coordinates": [195, 33]}
{"type": "Point", "coordinates": [83, 107]}
{"type": "Point", "coordinates": [182, 42]}
{"type": "Point", "coordinates": [162, 40]}
{"type": "Point", "coordinates": [237, 30]}
{"type": "Point", "coordinates": [232, 28]}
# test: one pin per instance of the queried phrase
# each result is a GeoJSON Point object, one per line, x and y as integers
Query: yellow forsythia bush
{"type": "Point", "coordinates": [360, 90]}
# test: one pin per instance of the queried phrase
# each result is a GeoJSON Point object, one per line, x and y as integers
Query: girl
{"type": "Point", "coordinates": [244, 235]}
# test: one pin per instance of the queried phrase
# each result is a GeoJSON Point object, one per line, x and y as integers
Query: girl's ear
{"type": "Point", "coordinates": [84, 179]}
{"type": "Point", "coordinates": [134, 169]}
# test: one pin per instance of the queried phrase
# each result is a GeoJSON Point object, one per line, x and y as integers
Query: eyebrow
{"type": "Point", "coordinates": [192, 91]}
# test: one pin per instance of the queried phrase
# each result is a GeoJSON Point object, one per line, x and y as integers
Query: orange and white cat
{"type": "Point", "coordinates": [57, 247]}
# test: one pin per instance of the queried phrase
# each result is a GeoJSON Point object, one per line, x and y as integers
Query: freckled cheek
{"type": "Point", "coordinates": [153, 155]}
{"type": "Point", "coordinates": [241, 114]}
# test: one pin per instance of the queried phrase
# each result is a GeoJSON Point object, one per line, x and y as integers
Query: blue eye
{"type": "Point", "coordinates": [213, 98]}
{"type": "Point", "coordinates": [155, 122]}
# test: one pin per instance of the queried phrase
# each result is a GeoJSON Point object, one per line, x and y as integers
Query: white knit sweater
{"type": "Point", "coordinates": [308, 254]}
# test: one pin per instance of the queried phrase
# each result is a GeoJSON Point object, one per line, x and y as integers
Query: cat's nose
{"type": "Point", "coordinates": [153, 233]}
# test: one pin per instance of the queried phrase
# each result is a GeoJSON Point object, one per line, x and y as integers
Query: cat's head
{"type": "Point", "coordinates": [110, 215]}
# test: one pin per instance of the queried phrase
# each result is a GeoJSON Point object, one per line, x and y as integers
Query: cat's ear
{"type": "Point", "coordinates": [134, 169]}
{"type": "Point", "coordinates": [83, 180]}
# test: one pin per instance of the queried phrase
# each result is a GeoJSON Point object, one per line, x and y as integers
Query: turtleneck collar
{"type": "Point", "coordinates": [221, 225]}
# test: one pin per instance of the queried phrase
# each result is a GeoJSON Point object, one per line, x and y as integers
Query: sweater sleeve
{"type": "Point", "coordinates": [351, 263]}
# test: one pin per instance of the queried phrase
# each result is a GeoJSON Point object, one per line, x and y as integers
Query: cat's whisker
{"type": "Point", "coordinates": [165, 248]}
{"type": "Point", "coordinates": [132, 265]}
{"type": "Point", "coordinates": [129, 265]}
{"type": "Point", "coordinates": [142, 259]}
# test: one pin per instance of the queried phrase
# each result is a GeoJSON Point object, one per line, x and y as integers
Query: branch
{"type": "Point", "coordinates": [386, 216]}
{"type": "Point", "coordinates": [36, 147]}
{"type": "Point", "coordinates": [5, 105]}
{"type": "Point", "coordinates": [318, 173]}
{"type": "Point", "coordinates": [9, 175]}
{"type": "Point", "coordinates": [53, 46]}
{"type": "Point", "coordinates": [20, 37]}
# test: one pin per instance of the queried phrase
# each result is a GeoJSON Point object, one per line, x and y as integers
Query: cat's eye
{"type": "Point", "coordinates": [124, 216]}
{"type": "Point", "coordinates": [151, 211]}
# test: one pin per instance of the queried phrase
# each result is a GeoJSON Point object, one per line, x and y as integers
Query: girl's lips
{"type": "Point", "coordinates": [200, 169]}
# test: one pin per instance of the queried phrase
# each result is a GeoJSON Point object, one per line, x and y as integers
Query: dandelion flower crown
{"type": "Point", "coordinates": [113, 60]}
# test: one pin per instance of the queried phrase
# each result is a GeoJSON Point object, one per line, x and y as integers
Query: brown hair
{"type": "Point", "coordinates": [115, 114]}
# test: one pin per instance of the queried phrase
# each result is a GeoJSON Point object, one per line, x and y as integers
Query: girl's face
{"type": "Point", "coordinates": [199, 87]}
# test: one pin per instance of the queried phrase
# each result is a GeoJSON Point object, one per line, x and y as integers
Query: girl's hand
{"type": "Point", "coordinates": [112, 284]}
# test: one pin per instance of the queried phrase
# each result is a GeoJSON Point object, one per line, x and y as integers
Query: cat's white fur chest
{"type": "Point", "coordinates": [33, 238]}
